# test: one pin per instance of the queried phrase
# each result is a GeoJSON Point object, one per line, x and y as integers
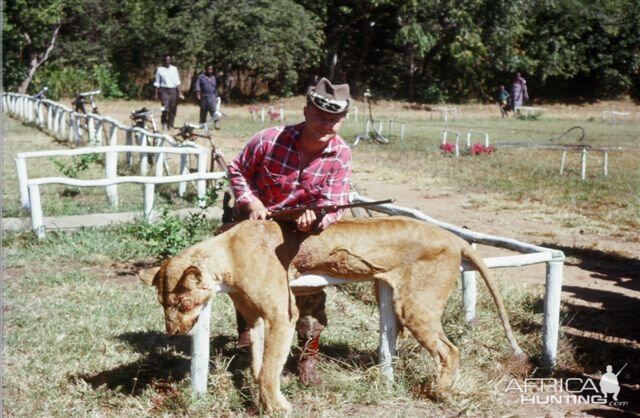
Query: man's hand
{"type": "Point", "coordinates": [306, 221]}
{"type": "Point", "coordinates": [180, 94]}
{"type": "Point", "coordinates": [198, 96]}
{"type": "Point", "coordinates": [257, 210]}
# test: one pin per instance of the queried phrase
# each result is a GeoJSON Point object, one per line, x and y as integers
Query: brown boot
{"type": "Point", "coordinates": [244, 338]}
{"type": "Point", "coordinates": [308, 365]}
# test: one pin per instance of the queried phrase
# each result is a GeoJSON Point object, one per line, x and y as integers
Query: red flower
{"type": "Point", "coordinates": [447, 148]}
{"type": "Point", "coordinates": [481, 149]}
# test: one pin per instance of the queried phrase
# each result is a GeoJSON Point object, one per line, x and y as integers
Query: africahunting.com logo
{"type": "Point", "coordinates": [573, 390]}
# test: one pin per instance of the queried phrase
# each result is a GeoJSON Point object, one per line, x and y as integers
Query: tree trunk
{"type": "Point", "coordinates": [38, 60]}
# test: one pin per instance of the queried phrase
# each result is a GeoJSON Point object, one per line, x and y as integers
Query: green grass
{"type": "Point", "coordinates": [84, 337]}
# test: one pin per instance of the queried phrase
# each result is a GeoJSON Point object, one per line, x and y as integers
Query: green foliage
{"type": "Point", "coordinates": [77, 164]}
{"type": "Point", "coordinates": [272, 41]}
{"type": "Point", "coordinates": [426, 50]}
{"type": "Point", "coordinates": [170, 233]}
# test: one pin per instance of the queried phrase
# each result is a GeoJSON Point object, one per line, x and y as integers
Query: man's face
{"type": "Point", "coordinates": [167, 61]}
{"type": "Point", "coordinates": [209, 70]}
{"type": "Point", "coordinates": [323, 125]}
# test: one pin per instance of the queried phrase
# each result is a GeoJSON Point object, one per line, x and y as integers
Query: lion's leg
{"type": "Point", "coordinates": [420, 303]}
{"type": "Point", "coordinates": [426, 328]}
{"type": "Point", "coordinates": [257, 347]}
{"type": "Point", "coordinates": [250, 314]}
{"type": "Point", "coordinates": [278, 333]}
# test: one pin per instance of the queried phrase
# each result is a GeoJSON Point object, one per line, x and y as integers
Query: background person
{"type": "Point", "coordinates": [503, 100]}
{"type": "Point", "coordinates": [167, 84]}
{"type": "Point", "coordinates": [519, 92]}
{"type": "Point", "coordinates": [207, 94]}
{"type": "Point", "coordinates": [307, 164]}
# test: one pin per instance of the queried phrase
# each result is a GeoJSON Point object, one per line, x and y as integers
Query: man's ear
{"type": "Point", "coordinates": [149, 276]}
{"type": "Point", "coordinates": [191, 279]}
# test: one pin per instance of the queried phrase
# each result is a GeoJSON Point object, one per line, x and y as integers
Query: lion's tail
{"type": "Point", "coordinates": [476, 260]}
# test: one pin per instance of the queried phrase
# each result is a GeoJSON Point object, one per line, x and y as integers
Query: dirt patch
{"type": "Point", "coordinates": [601, 288]}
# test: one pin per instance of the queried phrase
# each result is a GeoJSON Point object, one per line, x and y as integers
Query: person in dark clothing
{"type": "Point", "coordinates": [207, 94]}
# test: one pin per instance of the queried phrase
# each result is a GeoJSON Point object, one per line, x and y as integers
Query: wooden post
{"type": "Point", "coordinates": [281, 114]}
{"type": "Point", "coordinates": [56, 122]}
{"type": "Point", "coordinates": [469, 294]}
{"type": "Point", "coordinates": [200, 350]}
{"type": "Point", "coordinates": [262, 114]}
{"type": "Point", "coordinates": [99, 135]}
{"type": "Point", "coordinates": [144, 156]}
{"type": "Point", "coordinates": [184, 169]}
{"type": "Point", "coordinates": [605, 164]}
{"type": "Point", "coordinates": [111, 172]}
{"type": "Point", "coordinates": [111, 167]}
{"type": "Point", "coordinates": [355, 116]}
{"type": "Point", "coordinates": [551, 321]}
{"type": "Point", "coordinates": [149, 191]}
{"type": "Point", "coordinates": [583, 164]}
{"type": "Point", "coordinates": [562, 160]}
{"type": "Point", "coordinates": [402, 133]}
{"type": "Point", "coordinates": [21, 169]}
{"type": "Point", "coordinates": [36, 210]}
{"type": "Point", "coordinates": [388, 331]}
{"type": "Point", "coordinates": [129, 141]}
{"type": "Point", "coordinates": [201, 185]}
{"type": "Point", "coordinates": [91, 127]}
{"type": "Point", "coordinates": [366, 130]}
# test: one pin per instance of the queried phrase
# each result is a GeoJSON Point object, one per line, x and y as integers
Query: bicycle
{"type": "Point", "coordinates": [80, 100]}
{"type": "Point", "coordinates": [216, 161]}
{"type": "Point", "coordinates": [369, 135]}
{"type": "Point", "coordinates": [42, 94]}
{"type": "Point", "coordinates": [79, 107]}
{"type": "Point", "coordinates": [143, 119]}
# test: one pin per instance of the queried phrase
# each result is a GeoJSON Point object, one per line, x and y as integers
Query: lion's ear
{"type": "Point", "coordinates": [149, 276]}
{"type": "Point", "coordinates": [191, 278]}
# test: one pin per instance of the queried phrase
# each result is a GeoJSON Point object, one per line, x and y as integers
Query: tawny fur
{"type": "Point", "coordinates": [419, 261]}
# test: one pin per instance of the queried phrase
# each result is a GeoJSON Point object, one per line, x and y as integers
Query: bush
{"type": "Point", "coordinates": [171, 234]}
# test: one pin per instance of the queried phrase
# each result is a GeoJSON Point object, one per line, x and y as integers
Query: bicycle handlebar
{"type": "Point", "coordinates": [195, 126]}
{"type": "Point", "coordinates": [143, 113]}
{"type": "Point", "coordinates": [90, 93]}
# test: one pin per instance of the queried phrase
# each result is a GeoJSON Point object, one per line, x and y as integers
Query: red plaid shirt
{"type": "Point", "coordinates": [268, 168]}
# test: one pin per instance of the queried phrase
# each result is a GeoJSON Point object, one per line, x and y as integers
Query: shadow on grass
{"type": "Point", "coordinates": [165, 361]}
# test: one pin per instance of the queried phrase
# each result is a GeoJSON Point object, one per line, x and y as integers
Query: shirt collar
{"type": "Point", "coordinates": [331, 147]}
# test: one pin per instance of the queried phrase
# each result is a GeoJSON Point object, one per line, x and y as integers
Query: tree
{"type": "Point", "coordinates": [30, 32]}
{"type": "Point", "coordinates": [271, 41]}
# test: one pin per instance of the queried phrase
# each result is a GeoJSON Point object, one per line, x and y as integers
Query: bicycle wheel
{"type": "Point", "coordinates": [218, 164]}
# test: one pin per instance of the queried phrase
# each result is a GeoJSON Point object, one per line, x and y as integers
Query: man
{"type": "Point", "coordinates": [207, 94]}
{"type": "Point", "coordinates": [307, 164]}
{"type": "Point", "coordinates": [519, 93]}
{"type": "Point", "coordinates": [167, 83]}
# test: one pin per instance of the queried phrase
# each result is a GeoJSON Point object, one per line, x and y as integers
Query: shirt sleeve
{"type": "Point", "coordinates": [197, 86]}
{"type": "Point", "coordinates": [242, 170]}
{"type": "Point", "coordinates": [156, 83]}
{"type": "Point", "coordinates": [176, 76]}
{"type": "Point", "coordinates": [339, 185]}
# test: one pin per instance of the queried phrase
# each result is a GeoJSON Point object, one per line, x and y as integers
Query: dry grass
{"type": "Point", "coordinates": [84, 338]}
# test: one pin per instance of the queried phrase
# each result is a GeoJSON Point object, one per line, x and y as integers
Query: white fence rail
{"type": "Point", "coordinates": [30, 196]}
{"type": "Point", "coordinates": [533, 254]}
{"type": "Point", "coordinates": [83, 129]}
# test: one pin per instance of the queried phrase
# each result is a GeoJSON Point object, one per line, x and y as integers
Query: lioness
{"type": "Point", "coordinates": [419, 261]}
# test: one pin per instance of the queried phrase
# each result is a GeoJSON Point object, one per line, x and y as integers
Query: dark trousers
{"type": "Point", "coordinates": [207, 106]}
{"type": "Point", "coordinates": [169, 101]}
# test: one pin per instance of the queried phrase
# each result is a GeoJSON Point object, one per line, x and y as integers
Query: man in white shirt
{"type": "Point", "coordinates": [167, 85]}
